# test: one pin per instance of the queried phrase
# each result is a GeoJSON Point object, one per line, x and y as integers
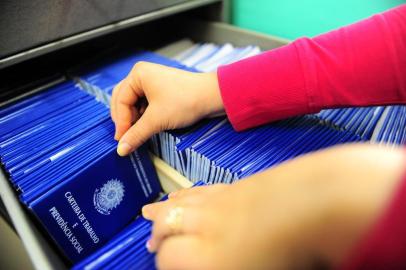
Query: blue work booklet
{"type": "Point", "coordinates": [127, 250]}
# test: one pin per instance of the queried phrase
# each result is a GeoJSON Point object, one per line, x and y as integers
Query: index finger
{"type": "Point", "coordinates": [129, 94]}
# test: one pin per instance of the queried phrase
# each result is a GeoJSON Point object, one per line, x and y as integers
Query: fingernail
{"type": "Point", "coordinates": [124, 149]}
{"type": "Point", "coordinates": [149, 246]}
{"type": "Point", "coordinates": [145, 212]}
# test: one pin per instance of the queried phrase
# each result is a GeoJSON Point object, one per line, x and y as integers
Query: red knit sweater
{"type": "Point", "coordinates": [358, 65]}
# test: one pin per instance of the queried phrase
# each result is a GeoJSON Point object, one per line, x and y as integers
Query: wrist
{"type": "Point", "coordinates": [211, 96]}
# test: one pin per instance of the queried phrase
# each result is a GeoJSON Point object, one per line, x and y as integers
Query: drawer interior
{"type": "Point", "coordinates": [41, 252]}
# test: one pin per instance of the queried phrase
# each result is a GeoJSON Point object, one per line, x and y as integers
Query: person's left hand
{"type": "Point", "coordinates": [298, 214]}
{"type": "Point", "coordinates": [218, 223]}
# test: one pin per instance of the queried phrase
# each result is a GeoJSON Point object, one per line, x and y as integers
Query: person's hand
{"type": "Point", "coordinates": [153, 98]}
{"type": "Point", "coordinates": [295, 216]}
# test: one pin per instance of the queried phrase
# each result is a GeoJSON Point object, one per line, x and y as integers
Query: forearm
{"type": "Point", "coordinates": [334, 198]}
{"type": "Point", "coordinates": [357, 65]}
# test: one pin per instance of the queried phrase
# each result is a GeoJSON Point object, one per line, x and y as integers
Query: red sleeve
{"type": "Point", "coordinates": [358, 65]}
{"type": "Point", "coordinates": [384, 247]}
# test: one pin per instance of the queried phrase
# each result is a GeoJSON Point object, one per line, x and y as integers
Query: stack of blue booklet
{"type": "Point", "coordinates": [377, 124]}
{"type": "Point", "coordinates": [391, 128]}
{"type": "Point", "coordinates": [360, 121]}
{"type": "Point", "coordinates": [57, 147]}
{"type": "Point", "coordinates": [127, 250]}
{"type": "Point", "coordinates": [208, 56]}
{"type": "Point", "coordinates": [215, 153]}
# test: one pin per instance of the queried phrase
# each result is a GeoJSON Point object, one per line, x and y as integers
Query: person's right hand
{"type": "Point", "coordinates": [153, 98]}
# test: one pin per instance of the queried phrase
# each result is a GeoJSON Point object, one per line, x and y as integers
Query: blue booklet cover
{"type": "Point", "coordinates": [88, 209]}
{"type": "Point", "coordinates": [126, 250]}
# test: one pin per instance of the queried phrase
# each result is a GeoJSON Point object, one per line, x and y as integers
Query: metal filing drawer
{"type": "Point", "coordinates": [40, 251]}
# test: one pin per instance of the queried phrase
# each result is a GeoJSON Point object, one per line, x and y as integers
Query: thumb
{"type": "Point", "coordinates": [138, 134]}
